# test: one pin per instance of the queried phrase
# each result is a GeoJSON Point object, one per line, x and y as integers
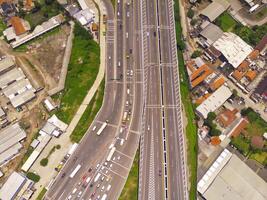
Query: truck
{"type": "Point", "coordinates": [74, 172]}
{"type": "Point", "coordinates": [72, 149]}
{"type": "Point", "coordinates": [124, 118]}
{"type": "Point", "coordinates": [104, 197]}
{"type": "Point", "coordinates": [97, 177]}
{"type": "Point", "coordinates": [100, 130]}
{"type": "Point", "coordinates": [111, 152]}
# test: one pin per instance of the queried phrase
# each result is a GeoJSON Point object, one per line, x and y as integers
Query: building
{"type": "Point", "coordinates": [262, 45]}
{"type": "Point", "coordinates": [234, 50]}
{"type": "Point", "coordinates": [216, 83]}
{"type": "Point", "coordinates": [227, 117]}
{"type": "Point", "coordinates": [238, 128]}
{"type": "Point", "coordinates": [10, 142]}
{"type": "Point", "coordinates": [19, 28]}
{"type": "Point", "coordinates": [215, 9]}
{"type": "Point", "coordinates": [214, 101]}
{"type": "Point", "coordinates": [82, 4]}
{"type": "Point", "coordinates": [17, 186]}
{"type": "Point", "coordinates": [261, 89]}
{"type": "Point", "coordinates": [199, 75]}
{"type": "Point", "coordinates": [11, 76]}
{"type": "Point", "coordinates": [7, 9]}
{"type": "Point", "coordinates": [211, 33]}
{"type": "Point", "coordinates": [39, 30]}
{"type": "Point", "coordinates": [6, 64]}
{"type": "Point", "coordinates": [85, 16]}
{"type": "Point", "coordinates": [230, 178]}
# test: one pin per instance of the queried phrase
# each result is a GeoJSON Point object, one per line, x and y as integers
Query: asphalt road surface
{"type": "Point", "coordinates": [96, 176]}
{"type": "Point", "coordinates": [162, 160]}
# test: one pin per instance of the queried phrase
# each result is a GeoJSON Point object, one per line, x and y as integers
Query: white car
{"type": "Point", "coordinates": [118, 13]}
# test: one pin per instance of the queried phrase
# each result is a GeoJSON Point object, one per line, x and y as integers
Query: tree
{"type": "Point", "coordinates": [196, 54]}
{"type": "Point", "coordinates": [32, 176]}
{"type": "Point", "coordinates": [49, 2]}
{"type": "Point", "coordinates": [190, 13]}
{"type": "Point", "coordinates": [44, 162]}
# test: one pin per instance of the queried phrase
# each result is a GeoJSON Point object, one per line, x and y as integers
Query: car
{"type": "Point", "coordinates": [79, 183]}
{"type": "Point", "coordinates": [105, 163]}
{"type": "Point", "coordinates": [69, 197]}
{"type": "Point", "coordinates": [109, 57]}
{"type": "Point", "coordinates": [98, 197]}
{"type": "Point", "coordinates": [155, 34]}
{"type": "Point", "coordinates": [97, 166]}
{"type": "Point", "coordinates": [91, 185]}
{"type": "Point", "coordinates": [110, 166]}
{"type": "Point", "coordinates": [131, 51]}
{"type": "Point", "coordinates": [98, 185]}
{"type": "Point", "coordinates": [79, 194]}
{"type": "Point", "coordinates": [160, 172]}
{"type": "Point", "coordinates": [108, 188]}
{"type": "Point", "coordinates": [63, 175]}
{"type": "Point", "coordinates": [127, 56]}
{"type": "Point", "coordinates": [119, 64]}
{"type": "Point", "coordinates": [131, 72]}
{"type": "Point", "coordinates": [128, 14]}
{"type": "Point", "coordinates": [102, 189]}
{"type": "Point", "coordinates": [118, 13]}
{"type": "Point", "coordinates": [90, 169]}
{"type": "Point", "coordinates": [128, 91]}
{"type": "Point", "coordinates": [103, 177]}
{"type": "Point", "coordinates": [74, 190]}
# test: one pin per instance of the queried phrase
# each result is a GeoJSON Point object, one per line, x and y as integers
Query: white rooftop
{"type": "Point", "coordinates": [6, 63]}
{"type": "Point", "coordinates": [15, 74]}
{"type": "Point", "coordinates": [12, 186]}
{"type": "Point", "coordinates": [214, 101]}
{"type": "Point", "coordinates": [234, 49]}
{"type": "Point", "coordinates": [236, 181]}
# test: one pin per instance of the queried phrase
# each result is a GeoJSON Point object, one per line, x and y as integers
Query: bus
{"type": "Point", "coordinates": [102, 128]}
{"type": "Point", "coordinates": [113, 149]}
{"type": "Point", "coordinates": [74, 172]}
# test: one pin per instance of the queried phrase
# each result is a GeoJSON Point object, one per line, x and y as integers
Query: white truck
{"type": "Point", "coordinates": [100, 130]}
{"type": "Point", "coordinates": [111, 152]}
{"type": "Point", "coordinates": [74, 172]}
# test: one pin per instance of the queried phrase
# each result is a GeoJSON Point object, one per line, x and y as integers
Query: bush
{"type": "Point", "coordinates": [190, 13]}
{"type": "Point", "coordinates": [196, 54]}
{"type": "Point", "coordinates": [44, 162]}
{"type": "Point", "coordinates": [32, 176]}
{"type": "Point", "coordinates": [58, 146]}
{"type": "Point", "coordinates": [193, 22]}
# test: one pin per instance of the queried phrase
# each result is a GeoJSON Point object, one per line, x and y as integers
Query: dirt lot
{"type": "Point", "coordinates": [52, 49]}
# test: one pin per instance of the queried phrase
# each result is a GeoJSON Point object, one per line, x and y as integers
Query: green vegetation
{"type": "Point", "coordinates": [82, 72]}
{"type": "Point", "coordinates": [113, 3]}
{"type": "Point", "coordinates": [256, 127]}
{"type": "Point", "coordinates": [58, 146]}
{"type": "Point", "coordinates": [213, 127]}
{"type": "Point", "coordinates": [196, 54]}
{"type": "Point", "coordinates": [32, 176]}
{"type": "Point", "coordinates": [226, 22]}
{"type": "Point", "coordinates": [242, 144]}
{"type": "Point", "coordinates": [41, 194]}
{"type": "Point", "coordinates": [190, 13]}
{"type": "Point", "coordinates": [2, 27]}
{"type": "Point", "coordinates": [250, 35]}
{"type": "Point", "coordinates": [89, 114]}
{"type": "Point", "coordinates": [44, 9]}
{"type": "Point", "coordinates": [130, 190]}
{"type": "Point", "coordinates": [44, 162]}
{"type": "Point", "coordinates": [191, 129]}
{"type": "Point", "coordinates": [262, 13]}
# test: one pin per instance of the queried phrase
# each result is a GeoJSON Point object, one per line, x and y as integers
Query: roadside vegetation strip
{"type": "Point", "coordinates": [82, 72]}
{"type": "Point", "coordinates": [3, 26]}
{"type": "Point", "coordinates": [130, 190]}
{"type": "Point", "coordinates": [32, 176]}
{"type": "Point", "coordinates": [89, 114]}
{"type": "Point", "coordinates": [41, 194]}
{"type": "Point", "coordinates": [191, 129]}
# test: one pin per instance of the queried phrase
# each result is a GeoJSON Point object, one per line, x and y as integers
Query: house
{"type": "Point", "coordinates": [213, 102]}
{"type": "Point", "coordinates": [234, 50]}
{"type": "Point", "coordinates": [215, 9]}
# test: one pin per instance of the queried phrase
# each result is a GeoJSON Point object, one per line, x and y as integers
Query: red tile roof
{"type": "Point", "coordinates": [17, 25]}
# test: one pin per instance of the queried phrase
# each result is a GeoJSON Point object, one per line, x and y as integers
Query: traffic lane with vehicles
{"type": "Point", "coordinates": [172, 102]}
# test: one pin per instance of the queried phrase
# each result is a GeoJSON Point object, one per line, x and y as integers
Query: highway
{"type": "Point", "coordinates": [96, 176]}
{"type": "Point", "coordinates": [162, 173]}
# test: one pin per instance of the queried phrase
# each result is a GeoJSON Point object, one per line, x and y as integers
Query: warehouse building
{"type": "Point", "coordinates": [11, 76]}
{"type": "Point", "coordinates": [215, 9]}
{"type": "Point", "coordinates": [6, 64]}
{"type": "Point", "coordinates": [17, 186]}
{"type": "Point", "coordinates": [230, 178]}
{"type": "Point", "coordinates": [214, 101]}
{"type": "Point", "coordinates": [10, 142]}
{"type": "Point", "coordinates": [234, 50]}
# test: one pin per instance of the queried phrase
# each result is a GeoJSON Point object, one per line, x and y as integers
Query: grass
{"type": "Point", "coordinates": [89, 115]}
{"type": "Point", "coordinates": [82, 72]}
{"type": "Point", "coordinates": [41, 194]}
{"type": "Point", "coordinates": [191, 129]}
{"type": "Point", "coordinates": [45, 12]}
{"type": "Point", "coordinates": [261, 157]}
{"type": "Point", "coordinates": [2, 27]}
{"type": "Point", "coordinates": [130, 190]}
{"type": "Point", "coordinates": [113, 3]}
{"type": "Point", "coordinates": [241, 144]}
{"type": "Point", "coordinates": [226, 22]}
{"type": "Point", "coordinates": [262, 13]}
{"type": "Point", "coordinates": [32, 176]}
